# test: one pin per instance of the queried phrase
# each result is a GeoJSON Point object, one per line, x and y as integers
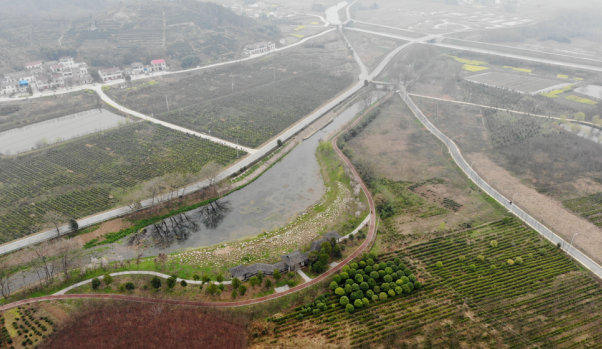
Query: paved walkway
{"type": "Point", "coordinates": [141, 272]}
{"type": "Point", "coordinates": [303, 275]}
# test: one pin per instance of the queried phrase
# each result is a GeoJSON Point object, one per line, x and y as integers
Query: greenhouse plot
{"type": "Point", "coordinates": [93, 173]}
{"type": "Point", "coordinates": [498, 285]}
{"type": "Point", "coordinates": [517, 82]}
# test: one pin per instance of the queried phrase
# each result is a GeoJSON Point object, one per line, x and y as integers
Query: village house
{"type": "Point", "coordinates": [259, 47]}
{"type": "Point", "coordinates": [135, 68]}
{"type": "Point", "coordinates": [19, 76]}
{"type": "Point", "coordinates": [43, 82]}
{"type": "Point", "coordinates": [8, 88]}
{"type": "Point", "coordinates": [158, 64]}
{"type": "Point", "coordinates": [32, 65]}
{"type": "Point", "coordinates": [110, 74]}
{"type": "Point", "coordinates": [66, 61]}
{"type": "Point", "coordinates": [290, 262]}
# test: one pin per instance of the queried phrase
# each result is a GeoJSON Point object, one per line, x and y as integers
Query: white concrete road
{"type": "Point", "coordinates": [513, 208]}
{"type": "Point", "coordinates": [112, 103]}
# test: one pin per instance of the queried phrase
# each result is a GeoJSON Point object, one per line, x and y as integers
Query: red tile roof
{"type": "Point", "coordinates": [158, 61]}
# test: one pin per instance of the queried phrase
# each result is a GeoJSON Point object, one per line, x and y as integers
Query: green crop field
{"type": "Point", "coordinates": [498, 286]}
{"type": "Point", "coordinates": [91, 174]}
{"type": "Point", "coordinates": [590, 207]}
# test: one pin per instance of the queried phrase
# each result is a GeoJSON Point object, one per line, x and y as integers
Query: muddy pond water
{"type": "Point", "coordinates": [47, 132]}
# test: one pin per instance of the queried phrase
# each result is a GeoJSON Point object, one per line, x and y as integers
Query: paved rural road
{"type": "Point", "coordinates": [532, 222]}
{"type": "Point", "coordinates": [367, 243]}
{"type": "Point", "coordinates": [114, 104]}
{"type": "Point", "coordinates": [490, 52]}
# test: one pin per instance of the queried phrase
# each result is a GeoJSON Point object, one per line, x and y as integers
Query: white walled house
{"type": "Point", "coordinates": [67, 61]}
{"type": "Point", "coordinates": [110, 74]}
{"type": "Point", "coordinates": [159, 64]}
{"type": "Point", "coordinates": [31, 65]}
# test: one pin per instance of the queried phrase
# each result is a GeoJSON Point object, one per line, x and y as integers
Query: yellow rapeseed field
{"type": "Point", "coordinates": [473, 68]}
{"type": "Point", "coordinates": [581, 100]}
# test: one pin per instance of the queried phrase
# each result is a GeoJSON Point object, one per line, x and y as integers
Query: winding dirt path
{"type": "Point", "coordinates": [366, 244]}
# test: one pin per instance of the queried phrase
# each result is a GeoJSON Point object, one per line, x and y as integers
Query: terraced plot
{"type": "Point", "coordinates": [589, 207]}
{"type": "Point", "coordinates": [497, 286]}
{"type": "Point", "coordinates": [91, 174]}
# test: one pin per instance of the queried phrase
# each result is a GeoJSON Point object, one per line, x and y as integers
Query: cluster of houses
{"type": "Point", "coordinates": [66, 73]}
{"type": "Point", "coordinates": [260, 8]}
{"type": "Point", "coordinates": [290, 262]}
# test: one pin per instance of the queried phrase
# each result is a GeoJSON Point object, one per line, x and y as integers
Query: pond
{"type": "Point", "coordinates": [272, 201]}
{"type": "Point", "coordinates": [591, 90]}
{"type": "Point", "coordinates": [332, 13]}
{"type": "Point", "coordinates": [47, 132]}
{"type": "Point", "coordinates": [587, 132]}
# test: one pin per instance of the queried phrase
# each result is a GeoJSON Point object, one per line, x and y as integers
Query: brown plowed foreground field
{"type": "Point", "coordinates": [148, 326]}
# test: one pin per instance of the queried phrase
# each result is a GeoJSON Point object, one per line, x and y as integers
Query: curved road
{"type": "Point", "coordinates": [532, 222]}
{"type": "Point", "coordinates": [369, 239]}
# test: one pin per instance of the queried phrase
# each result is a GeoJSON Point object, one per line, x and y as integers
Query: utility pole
{"type": "Point", "coordinates": [572, 243]}
{"type": "Point", "coordinates": [237, 148]}
{"type": "Point", "coordinates": [166, 102]}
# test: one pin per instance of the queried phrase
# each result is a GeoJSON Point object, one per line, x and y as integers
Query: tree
{"type": "Point", "coordinates": [349, 308]}
{"type": "Point", "coordinates": [439, 264]}
{"type": "Point", "coordinates": [481, 258]}
{"type": "Point", "coordinates": [236, 282]}
{"type": "Point", "coordinates": [364, 286]}
{"type": "Point", "coordinates": [580, 116]}
{"type": "Point", "coordinates": [336, 252]}
{"type": "Point", "coordinates": [493, 243]}
{"type": "Point", "coordinates": [260, 276]}
{"type": "Point", "coordinates": [279, 142]}
{"type": "Point", "coordinates": [5, 280]}
{"type": "Point", "coordinates": [205, 278]}
{"type": "Point", "coordinates": [333, 285]}
{"type": "Point", "coordinates": [253, 281]}
{"type": "Point", "coordinates": [196, 277]}
{"type": "Point", "coordinates": [276, 274]}
{"type": "Point", "coordinates": [190, 61]}
{"type": "Point", "coordinates": [242, 289]}
{"type": "Point", "coordinates": [344, 301]}
{"type": "Point", "coordinates": [461, 258]}
{"type": "Point", "coordinates": [212, 289]}
{"type": "Point", "coordinates": [108, 279]}
{"type": "Point", "coordinates": [325, 248]}
{"type": "Point", "coordinates": [155, 282]}
{"type": "Point", "coordinates": [382, 296]}
{"type": "Point", "coordinates": [339, 291]}
{"type": "Point", "coordinates": [211, 172]}
{"type": "Point", "coordinates": [234, 293]}
{"type": "Point", "coordinates": [95, 283]}
{"type": "Point", "coordinates": [95, 76]}
{"type": "Point", "coordinates": [171, 281]}
{"type": "Point", "coordinates": [55, 219]}
{"type": "Point", "coordinates": [472, 267]}
{"type": "Point", "coordinates": [358, 303]}
{"type": "Point", "coordinates": [268, 283]}
{"type": "Point", "coordinates": [518, 260]}
{"type": "Point", "coordinates": [130, 286]}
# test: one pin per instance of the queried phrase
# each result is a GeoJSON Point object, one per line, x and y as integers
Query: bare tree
{"type": "Point", "coordinates": [43, 262]}
{"type": "Point", "coordinates": [211, 172]}
{"type": "Point", "coordinates": [5, 280]}
{"type": "Point", "coordinates": [55, 219]}
{"type": "Point", "coordinates": [68, 253]}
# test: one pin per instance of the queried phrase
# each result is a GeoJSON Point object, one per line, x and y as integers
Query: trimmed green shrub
{"type": "Point", "coordinates": [374, 275]}
{"type": "Point", "coordinates": [472, 267]}
{"type": "Point", "coordinates": [333, 285]}
{"type": "Point", "coordinates": [405, 279]}
{"type": "Point", "coordinates": [362, 264]}
{"type": "Point", "coordinates": [397, 261]}
{"type": "Point", "coordinates": [370, 262]}
{"type": "Point", "coordinates": [220, 277]}
{"type": "Point", "coordinates": [276, 274]}
{"type": "Point", "coordinates": [365, 301]}
{"type": "Point", "coordinates": [268, 283]}
{"type": "Point", "coordinates": [406, 288]}
{"type": "Point", "coordinates": [355, 287]}
{"type": "Point", "coordinates": [382, 265]}
{"type": "Point", "coordinates": [344, 276]}
{"type": "Point", "coordinates": [412, 278]}
{"type": "Point", "coordinates": [394, 276]}
{"type": "Point", "coordinates": [391, 293]}
{"type": "Point", "coordinates": [369, 294]}
{"type": "Point", "coordinates": [418, 285]}
{"type": "Point", "coordinates": [236, 283]}
{"type": "Point", "coordinates": [481, 258]}
{"type": "Point", "coordinates": [375, 298]}
{"type": "Point", "coordinates": [196, 277]}
{"type": "Point", "coordinates": [364, 286]}
{"type": "Point", "coordinates": [183, 283]}
{"type": "Point", "coordinates": [107, 279]}
{"type": "Point", "coordinates": [376, 267]}
{"type": "Point", "coordinates": [519, 260]}
{"type": "Point", "coordinates": [368, 270]}
{"type": "Point", "coordinates": [349, 308]}
{"type": "Point", "coordinates": [385, 287]}
{"type": "Point", "coordinates": [253, 281]}
{"type": "Point", "coordinates": [242, 289]}
{"type": "Point", "coordinates": [398, 290]}
{"type": "Point", "coordinates": [344, 301]}
{"type": "Point", "coordinates": [337, 279]}
{"type": "Point", "coordinates": [510, 262]}
{"type": "Point", "coordinates": [381, 273]}
{"type": "Point", "coordinates": [348, 289]}
{"type": "Point", "coordinates": [352, 273]}
{"type": "Point", "coordinates": [388, 270]}
{"type": "Point", "coordinates": [155, 282]}
{"type": "Point", "coordinates": [171, 281]}
{"type": "Point", "coordinates": [411, 286]}
{"type": "Point", "coordinates": [358, 303]}
{"type": "Point", "coordinates": [235, 294]}
{"type": "Point", "coordinates": [492, 267]}
{"type": "Point", "coordinates": [345, 269]}
{"type": "Point", "coordinates": [95, 283]}
{"type": "Point", "coordinates": [359, 278]}
{"type": "Point", "coordinates": [493, 243]}
{"type": "Point", "coordinates": [339, 291]}
{"type": "Point", "coordinates": [316, 311]}
{"type": "Point", "coordinates": [382, 296]}
{"type": "Point", "coordinates": [399, 282]}
{"type": "Point", "coordinates": [130, 286]}
{"type": "Point", "coordinates": [439, 265]}
{"type": "Point", "coordinates": [388, 278]}
{"type": "Point", "coordinates": [376, 289]}
{"type": "Point", "coordinates": [462, 258]}
{"type": "Point", "coordinates": [353, 266]}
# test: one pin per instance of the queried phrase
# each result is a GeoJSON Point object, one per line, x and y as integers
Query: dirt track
{"type": "Point", "coordinates": [543, 208]}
